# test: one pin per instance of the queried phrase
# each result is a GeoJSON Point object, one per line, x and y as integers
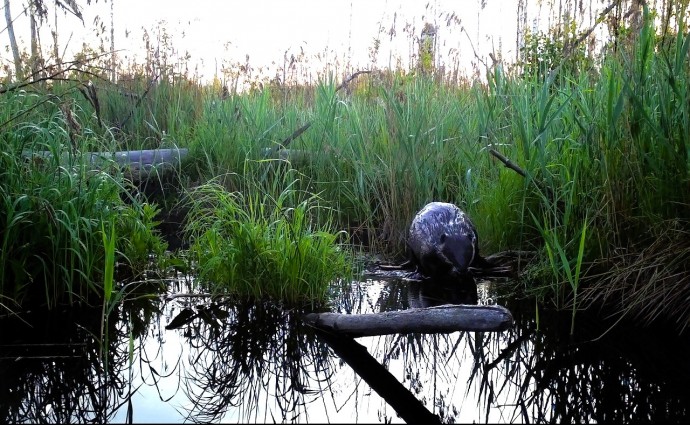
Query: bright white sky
{"type": "Point", "coordinates": [217, 33]}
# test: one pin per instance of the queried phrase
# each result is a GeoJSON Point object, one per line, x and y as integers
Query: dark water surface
{"type": "Point", "coordinates": [260, 363]}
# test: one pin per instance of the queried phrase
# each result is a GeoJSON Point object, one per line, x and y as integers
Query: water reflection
{"type": "Point", "coordinates": [439, 369]}
{"type": "Point", "coordinates": [243, 362]}
{"type": "Point", "coordinates": [53, 368]}
{"type": "Point", "coordinates": [252, 352]}
{"type": "Point", "coordinates": [543, 375]}
{"type": "Point", "coordinates": [630, 374]}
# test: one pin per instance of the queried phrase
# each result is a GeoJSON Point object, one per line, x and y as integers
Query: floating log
{"type": "Point", "coordinates": [440, 319]}
{"type": "Point", "coordinates": [138, 164]}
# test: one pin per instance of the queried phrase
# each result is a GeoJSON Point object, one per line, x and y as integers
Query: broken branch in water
{"type": "Point", "coordinates": [379, 379]}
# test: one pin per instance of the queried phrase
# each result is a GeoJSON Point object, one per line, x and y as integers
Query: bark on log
{"type": "Point", "coordinates": [144, 157]}
{"type": "Point", "coordinates": [439, 319]}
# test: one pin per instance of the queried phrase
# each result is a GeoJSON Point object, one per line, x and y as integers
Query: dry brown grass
{"type": "Point", "coordinates": [648, 281]}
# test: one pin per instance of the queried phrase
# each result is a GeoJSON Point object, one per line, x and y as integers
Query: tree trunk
{"type": "Point", "coordinates": [13, 42]}
{"type": "Point", "coordinates": [113, 59]}
{"type": "Point", "coordinates": [56, 49]}
{"type": "Point", "coordinates": [35, 62]}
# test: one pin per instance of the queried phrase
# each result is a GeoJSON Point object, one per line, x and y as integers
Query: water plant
{"type": "Point", "coordinates": [259, 244]}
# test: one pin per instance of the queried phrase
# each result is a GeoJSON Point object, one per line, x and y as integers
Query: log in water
{"type": "Point", "coordinates": [439, 319]}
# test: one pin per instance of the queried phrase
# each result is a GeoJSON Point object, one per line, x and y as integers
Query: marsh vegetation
{"type": "Point", "coordinates": [600, 142]}
{"type": "Point", "coordinates": [575, 154]}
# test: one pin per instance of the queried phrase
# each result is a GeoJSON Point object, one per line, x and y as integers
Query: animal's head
{"type": "Point", "coordinates": [459, 251]}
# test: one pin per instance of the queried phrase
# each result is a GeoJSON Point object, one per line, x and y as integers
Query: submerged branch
{"type": "Point", "coordinates": [380, 379]}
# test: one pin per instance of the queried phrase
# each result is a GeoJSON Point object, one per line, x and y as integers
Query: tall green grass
{"type": "Point", "coordinates": [251, 244]}
{"type": "Point", "coordinates": [603, 149]}
{"type": "Point", "coordinates": [52, 207]}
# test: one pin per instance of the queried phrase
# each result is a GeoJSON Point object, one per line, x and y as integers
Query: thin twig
{"type": "Point", "coordinates": [55, 76]}
{"type": "Point", "coordinates": [510, 164]}
{"type": "Point", "coordinates": [568, 49]}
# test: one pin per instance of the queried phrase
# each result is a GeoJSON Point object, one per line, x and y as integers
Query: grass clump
{"type": "Point", "coordinates": [53, 204]}
{"type": "Point", "coordinates": [257, 245]}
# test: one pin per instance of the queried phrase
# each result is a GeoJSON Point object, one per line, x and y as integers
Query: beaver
{"type": "Point", "coordinates": [443, 242]}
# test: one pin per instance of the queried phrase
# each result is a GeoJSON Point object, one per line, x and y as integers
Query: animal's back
{"type": "Point", "coordinates": [442, 240]}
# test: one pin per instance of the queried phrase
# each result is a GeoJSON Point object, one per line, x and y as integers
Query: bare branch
{"type": "Point", "coordinates": [507, 162]}
{"type": "Point", "coordinates": [352, 77]}
{"type": "Point", "coordinates": [54, 75]}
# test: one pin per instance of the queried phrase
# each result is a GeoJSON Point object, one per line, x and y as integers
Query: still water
{"type": "Point", "coordinates": [221, 362]}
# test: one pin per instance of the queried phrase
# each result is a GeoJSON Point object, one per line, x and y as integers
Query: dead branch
{"type": "Point", "coordinates": [54, 75]}
{"type": "Point", "coordinates": [293, 136]}
{"type": "Point", "coordinates": [410, 409]}
{"type": "Point", "coordinates": [507, 162]}
{"type": "Point", "coordinates": [570, 47]}
{"type": "Point", "coordinates": [352, 77]}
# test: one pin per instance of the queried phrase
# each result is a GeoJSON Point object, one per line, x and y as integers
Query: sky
{"type": "Point", "coordinates": [329, 34]}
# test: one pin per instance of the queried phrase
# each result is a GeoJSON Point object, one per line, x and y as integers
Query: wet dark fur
{"type": "Point", "coordinates": [443, 242]}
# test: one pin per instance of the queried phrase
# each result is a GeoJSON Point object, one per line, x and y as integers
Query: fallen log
{"type": "Point", "coordinates": [440, 319]}
{"type": "Point", "coordinates": [138, 164]}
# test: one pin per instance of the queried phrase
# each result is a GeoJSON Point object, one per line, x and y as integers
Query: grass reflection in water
{"type": "Point", "coordinates": [245, 362]}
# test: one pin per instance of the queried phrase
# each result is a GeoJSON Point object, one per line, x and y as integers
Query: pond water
{"type": "Point", "coordinates": [260, 363]}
